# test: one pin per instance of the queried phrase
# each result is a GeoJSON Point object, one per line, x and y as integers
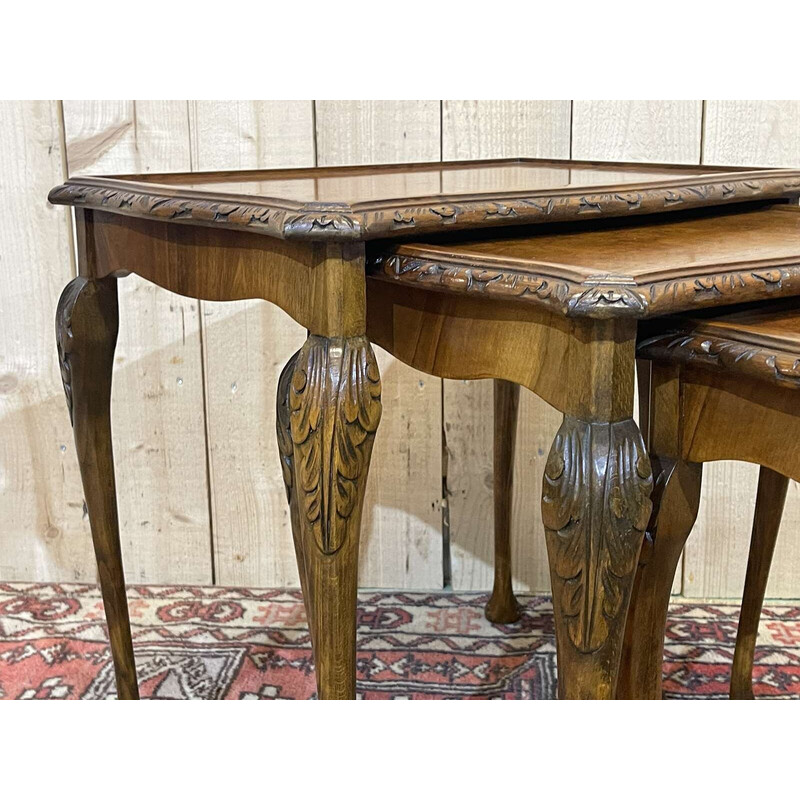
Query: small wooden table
{"type": "Point", "coordinates": [556, 312]}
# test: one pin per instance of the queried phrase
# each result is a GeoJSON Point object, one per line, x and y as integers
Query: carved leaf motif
{"type": "Point", "coordinates": [609, 299]}
{"type": "Point", "coordinates": [64, 337]}
{"type": "Point", "coordinates": [505, 283]}
{"type": "Point", "coordinates": [283, 426]}
{"type": "Point", "coordinates": [278, 219]}
{"type": "Point", "coordinates": [318, 222]}
{"type": "Point", "coordinates": [595, 508]}
{"type": "Point", "coordinates": [633, 199]}
{"type": "Point", "coordinates": [334, 409]}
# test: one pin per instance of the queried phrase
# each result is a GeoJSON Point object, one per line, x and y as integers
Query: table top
{"type": "Point", "coordinates": [362, 203]}
{"type": "Point", "coordinates": [649, 266]}
{"type": "Point", "coordinates": [760, 341]}
{"type": "Point", "coordinates": [775, 326]}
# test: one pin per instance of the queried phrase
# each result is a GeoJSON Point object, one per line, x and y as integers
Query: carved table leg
{"type": "Point", "coordinates": [502, 606]}
{"type": "Point", "coordinates": [331, 390]}
{"type": "Point", "coordinates": [766, 523]}
{"type": "Point", "coordinates": [86, 334]}
{"type": "Point", "coordinates": [676, 502]}
{"type": "Point", "coordinates": [595, 506]}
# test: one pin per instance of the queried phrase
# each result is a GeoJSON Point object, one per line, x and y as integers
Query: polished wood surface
{"type": "Point", "coordinates": [300, 278]}
{"type": "Point", "coordinates": [645, 267]}
{"type": "Point", "coordinates": [465, 338]}
{"type": "Point", "coordinates": [395, 200]}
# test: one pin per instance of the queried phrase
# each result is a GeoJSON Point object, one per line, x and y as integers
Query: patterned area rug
{"type": "Point", "coordinates": [214, 643]}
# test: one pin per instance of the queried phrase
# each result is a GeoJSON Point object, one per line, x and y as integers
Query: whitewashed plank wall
{"type": "Point", "coordinates": [201, 498]}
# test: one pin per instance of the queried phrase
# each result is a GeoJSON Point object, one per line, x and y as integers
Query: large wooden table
{"type": "Point", "coordinates": [573, 255]}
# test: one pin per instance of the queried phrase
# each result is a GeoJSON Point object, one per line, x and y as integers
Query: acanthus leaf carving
{"type": "Point", "coordinates": [64, 336]}
{"type": "Point", "coordinates": [595, 508]}
{"type": "Point", "coordinates": [334, 407]}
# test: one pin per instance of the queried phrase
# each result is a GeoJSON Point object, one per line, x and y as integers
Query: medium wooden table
{"type": "Point", "coordinates": [516, 309]}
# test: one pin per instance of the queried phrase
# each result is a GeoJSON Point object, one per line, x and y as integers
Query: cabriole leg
{"type": "Point", "coordinates": [770, 500]}
{"type": "Point", "coordinates": [329, 407]}
{"type": "Point", "coordinates": [676, 502]}
{"type": "Point", "coordinates": [502, 606]}
{"type": "Point", "coordinates": [595, 508]}
{"type": "Point", "coordinates": [87, 321]}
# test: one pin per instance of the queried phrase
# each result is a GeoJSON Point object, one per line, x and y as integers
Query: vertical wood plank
{"type": "Point", "coordinates": [246, 345]}
{"type": "Point", "coordinates": [43, 535]}
{"type": "Point", "coordinates": [402, 539]}
{"type": "Point", "coordinates": [505, 129]}
{"type": "Point", "coordinates": [498, 129]}
{"type": "Point", "coordinates": [666, 131]}
{"type": "Point", "coordinates": [157, 400]}
{"type": "Point", "coordinates": [752, 132]}
{"type": "Point", "coordinates": [377, 132]}
{"type": "Point", "coordinates": [740, 133]}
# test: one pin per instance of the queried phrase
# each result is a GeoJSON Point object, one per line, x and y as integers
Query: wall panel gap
{"type": "Point", "coordinates": [314, 132]}
{"type": "Point", "coordinates": [209, 475]}
{"type": "Point", "coordinates": [571, 123]}
{"type": "Point", "coordinates": [703, 133]}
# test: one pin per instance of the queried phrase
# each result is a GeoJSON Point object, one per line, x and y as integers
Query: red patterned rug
{"type": "Point", "coordinates": [215, 643]}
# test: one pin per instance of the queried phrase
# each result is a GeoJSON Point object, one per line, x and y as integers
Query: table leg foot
{"type": "Point", "coordinates": [503, 607]}
{"type": "Point", "coordinates": [329, 407]}
{"type": "Point", "coordinates": [676, 501]}
{"type": "Point", "coordinates": [87, 321]}
{"type": "Point", "coordinates": [595, 508]}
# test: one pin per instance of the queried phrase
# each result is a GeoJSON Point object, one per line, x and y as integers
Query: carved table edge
{"type": "Point", "coordinates": [599, 296]}
{"type": "Point", "coordinates": [720, 354]}
{"type": "Point", "coordinates": [325, 221]}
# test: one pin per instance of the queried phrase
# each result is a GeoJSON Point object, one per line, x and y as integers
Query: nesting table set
{"type": "Point", "coordinates": [534, 273]}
